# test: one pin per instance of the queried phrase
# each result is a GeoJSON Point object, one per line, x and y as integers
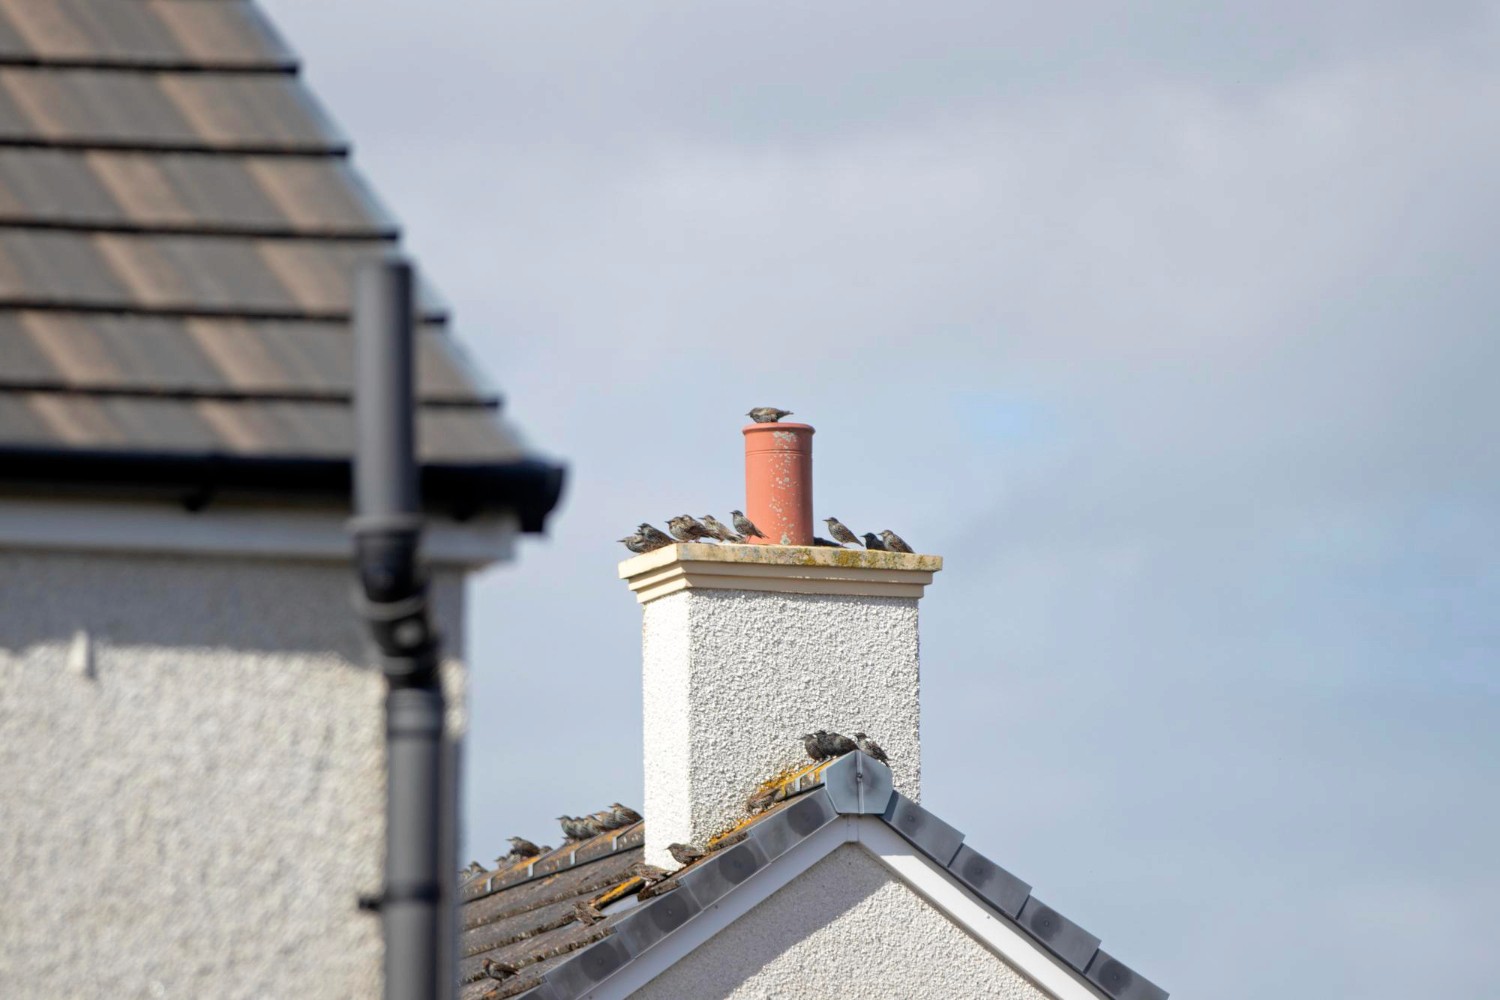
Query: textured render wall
{"type": "Point", "coordinates": [197, 817]}
{"type": "Point", "coordinates": [844, 928]}
{"type": "Point", "coordinates": [734, 678]}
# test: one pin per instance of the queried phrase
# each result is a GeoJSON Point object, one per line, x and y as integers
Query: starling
{"type": "Point", "coordinates": [475, 868]}
{"type": "Point", "coordinates": [650, 874]}
{"type": "Point", "coordinates": [743, 526]}
{"type": "Point", "coordinates": [625, 813]}
{"type": "Point", "coordinates": [653, 536]}
{"type": "Point", "coordinates": [521, 848]}
{"type": "Point", "coordinates": [894, 542]}
{"type": "Point", "coordinates": [635, 543]}
{"type": "Point", "coordinates": [767, 414]}
{"type": "Point", "coordinates": [499, 970]}
{"type": "Point", "coordinates": [870, 747]}
{"type": "Point", "coordinates": [685, 529]}
{"type": "Point", "coordinates": [840, 534]}
{"type": "Point", "coordinates": [834, 745]}
{"type": "Point", "coordinates": [684, 854]}
{"type": "Point", "coordinates": [814, 747]}
{"type": "Point", "coordinates": [576, 828]}
{"type": "Point", "coordinates": [872, 543]}
{"type": "Point", "coordinates": [720, 531]}
{"type": "Point", "coordinates": [823, 543]}
{"type": "Point", "coordinates": [661, 888]}
{"type": "Point", "coordinates": [760, 800]}
{"type": "Point", "coordinates": [586, 913]}
{"type": "Point", "coordinates": [606, 820]}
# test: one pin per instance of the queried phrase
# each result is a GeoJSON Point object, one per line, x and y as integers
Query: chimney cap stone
{"type": "Point", "coordinates": [786, 569]}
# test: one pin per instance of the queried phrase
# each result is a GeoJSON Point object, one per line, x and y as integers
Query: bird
{"type": "Point", "coordinates": [719, 531]}
{"type": "Point", "coordinates": [649, 874]}
{"type": "Point", "coordinates": [823, 543]}
{"type": "Point", "coordinates": [872, 543]}
{"type": "Point", "coordinates": [635, 543]}
{"type": "Point", "coordinates": [835, 745]}
{"type": "Point", "coordinates": [625, 813]}
{"type": "Point", "coordinates": [685, 528]}
{"type": "Point", "coordinates": [521, 848]}
{"type": "Point", "coordinates": [814, 747]}
{"type": "Point", "coordinates": [475, 868]}
{"type": "Point", "coordinates": [606, 820]}
{"type": "Point", "coordinates": [767, 414]}
{"type": "Point", "coordinates": [684, 854]}
{"type": "Point", "coordinates": [576, 828]}
{"type": "Point", "coordinates": [655, 536]}
{"type": "Point", "coordinates": [760, 800]}
{"type": "Point", "coordinates": [870, 747]}
{"type": "Point", "coordinates": [743, 525]}
{"type": "Point", "coordinates": [661, 888]}
{"type": "Point", "coordinates": [840, 534]}
{"type": "Point", "coordinates": [499, 970]}
{"type": "Point", "coordinates": [894, 542]}
{"type": "Point", "coordinates": [586, 913]}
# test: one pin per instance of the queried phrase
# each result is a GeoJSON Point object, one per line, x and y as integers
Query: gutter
{"type": "Point", "coordinates": [530, 487]}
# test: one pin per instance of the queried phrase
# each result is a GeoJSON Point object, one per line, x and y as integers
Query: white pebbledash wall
{"type": "Point", "coordinates": [192, 765]}
{"type": "Point", "coordinates": [847, 927]}
{"type": "Point", "coordinates": [746, 648]}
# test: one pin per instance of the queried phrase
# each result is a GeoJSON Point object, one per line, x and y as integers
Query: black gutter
{"type": "Point", "coordinates": [529, 487]}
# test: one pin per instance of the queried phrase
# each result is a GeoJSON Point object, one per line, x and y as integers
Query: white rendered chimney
{"type": "Point", "coordinates": [747, 647]}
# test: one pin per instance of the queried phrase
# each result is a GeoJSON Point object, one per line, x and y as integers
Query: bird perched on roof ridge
{"type": "Point", "coordinates": [835, 744]}
{"type": "Point", "coordinates": [475, 868]}
{"type": "Point", "coordinates": [767, 414]}
{"type": "Point", "coordinates": [653, 534]}
{"type": "Point", "coordinates": [840, 534]}
{"type": "Point", "coordinates": [744, 526]}
{"type": "Point", "coordinates": [685, 854]}
{"type": "Point", "coordinates": [760, 800]}
{"type": "Point", "coordinates": [625, 813]}
{"type": "Point", "coordinates": [870, 747]}
{"type": "Point", "coordinates": [499, 970]}
{"type": "Point", "coordinates": [650, 874]}
{"type": "Point", "coordinates": [520, 848]}
{"type": "Point", "coordinates": [719, 530]}
{"type": "Point", "coordinates": [814, 745]}
{"type": "Point", "coordinates": [894, 542]}
{"type": "Point", "coordinates": [872, 543]}
{"type": "Point", "coordinates": [586, 913]}
{"type": "Point", "coordinates": [577, 828]}
{"type": "Point", "coordinates": [606, 820]}
{"type": "Point", "coordinates": [685, 528]}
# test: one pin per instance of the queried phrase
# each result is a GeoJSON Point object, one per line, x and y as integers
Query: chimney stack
{"type": "Point", "coordinates": [748, 647]}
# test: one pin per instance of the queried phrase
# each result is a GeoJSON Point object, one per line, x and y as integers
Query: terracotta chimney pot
{"type": "Point", "coordinates": [778, 482]}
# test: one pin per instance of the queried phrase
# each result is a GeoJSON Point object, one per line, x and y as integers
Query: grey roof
{"type": "Point", "coordinates": [179, 229]}
{"type": "Point", "coordinates": [558, 959]}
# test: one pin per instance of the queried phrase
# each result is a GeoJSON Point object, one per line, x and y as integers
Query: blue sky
{"type": "Point", "coordinates": [1171, 328]}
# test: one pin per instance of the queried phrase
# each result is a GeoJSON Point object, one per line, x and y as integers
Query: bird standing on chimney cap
{"type": "Point", "coordinates": [718, 530]}
{"type": "Point", "coordinates": [744, 526]}
{"type": "Point", "coordinates": [840, 534]}
{"type": "Point", "coordinates": [872, 543]}
{"type": "Point", "coordinates": [685, 528]}
{"type": "Point", "coordinates": [894, 542]}
{"type": "Point", "coordinates": [636, 544]}
{"type": "Point", "coordinates": [767, 414]}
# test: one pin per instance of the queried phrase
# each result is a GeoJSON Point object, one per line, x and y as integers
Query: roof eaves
{"type": "Point", "coordinates": [854, 785]}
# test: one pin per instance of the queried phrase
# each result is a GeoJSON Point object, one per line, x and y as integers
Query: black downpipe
{"type": "Point", "coordinates": [387, 529]}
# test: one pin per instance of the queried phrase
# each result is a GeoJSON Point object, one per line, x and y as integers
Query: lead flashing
{"type": "Point", "coordinates": [989, 881]}
{"type": "Point", "coordinates": [858, 785]}
{"type": "Point", "coordinates": [784, 569]}
{"type": "Point", "coordinates": [1119, 980]}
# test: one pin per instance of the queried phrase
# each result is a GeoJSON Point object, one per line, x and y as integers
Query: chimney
{"type": "Point", "coordinates": [747, 647]}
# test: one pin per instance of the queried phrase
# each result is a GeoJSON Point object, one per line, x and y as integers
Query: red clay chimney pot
{"type": "Point", "coordinates": [778, 482]}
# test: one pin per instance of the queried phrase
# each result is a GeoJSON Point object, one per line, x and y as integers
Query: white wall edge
{"type": "Point", "coordinates": [265, 532]}
{"type": "Point", "coordinates": [992, 930]}
{"type": "Point", "coordinates": [696, 931]}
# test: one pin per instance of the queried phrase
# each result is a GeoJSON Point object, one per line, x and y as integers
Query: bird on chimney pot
{"type": "Point", "coordinates": [840, 534]}
{"type": "Point", "coordinates": [894, 542]}
{"type": "Point", "coordinates": [870, 747]}
{"type": "Point", "coordinates": [834, 744]}
{"type": "Point", "coordinates": [767, 414]}
{"type": "Point", "coordinates": [719, 530]}
{"type": "Point", "coordinates": [872, 543]}
{"type": "Point", "coordinates": [685, 528]}
{"type": "Point", "coordinates": [743, 525]}
{"type": "Point", "coordinates": [684, 854]}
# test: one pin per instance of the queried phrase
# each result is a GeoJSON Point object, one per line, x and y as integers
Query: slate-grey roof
{"type": "Point", "coordinates": [560, 959]}
{"type": "Point", "coordinates": [179, 229]}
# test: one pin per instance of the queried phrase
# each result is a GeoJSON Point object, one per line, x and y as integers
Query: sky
{"type": "Point", "coordinates": [1170, 326]}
